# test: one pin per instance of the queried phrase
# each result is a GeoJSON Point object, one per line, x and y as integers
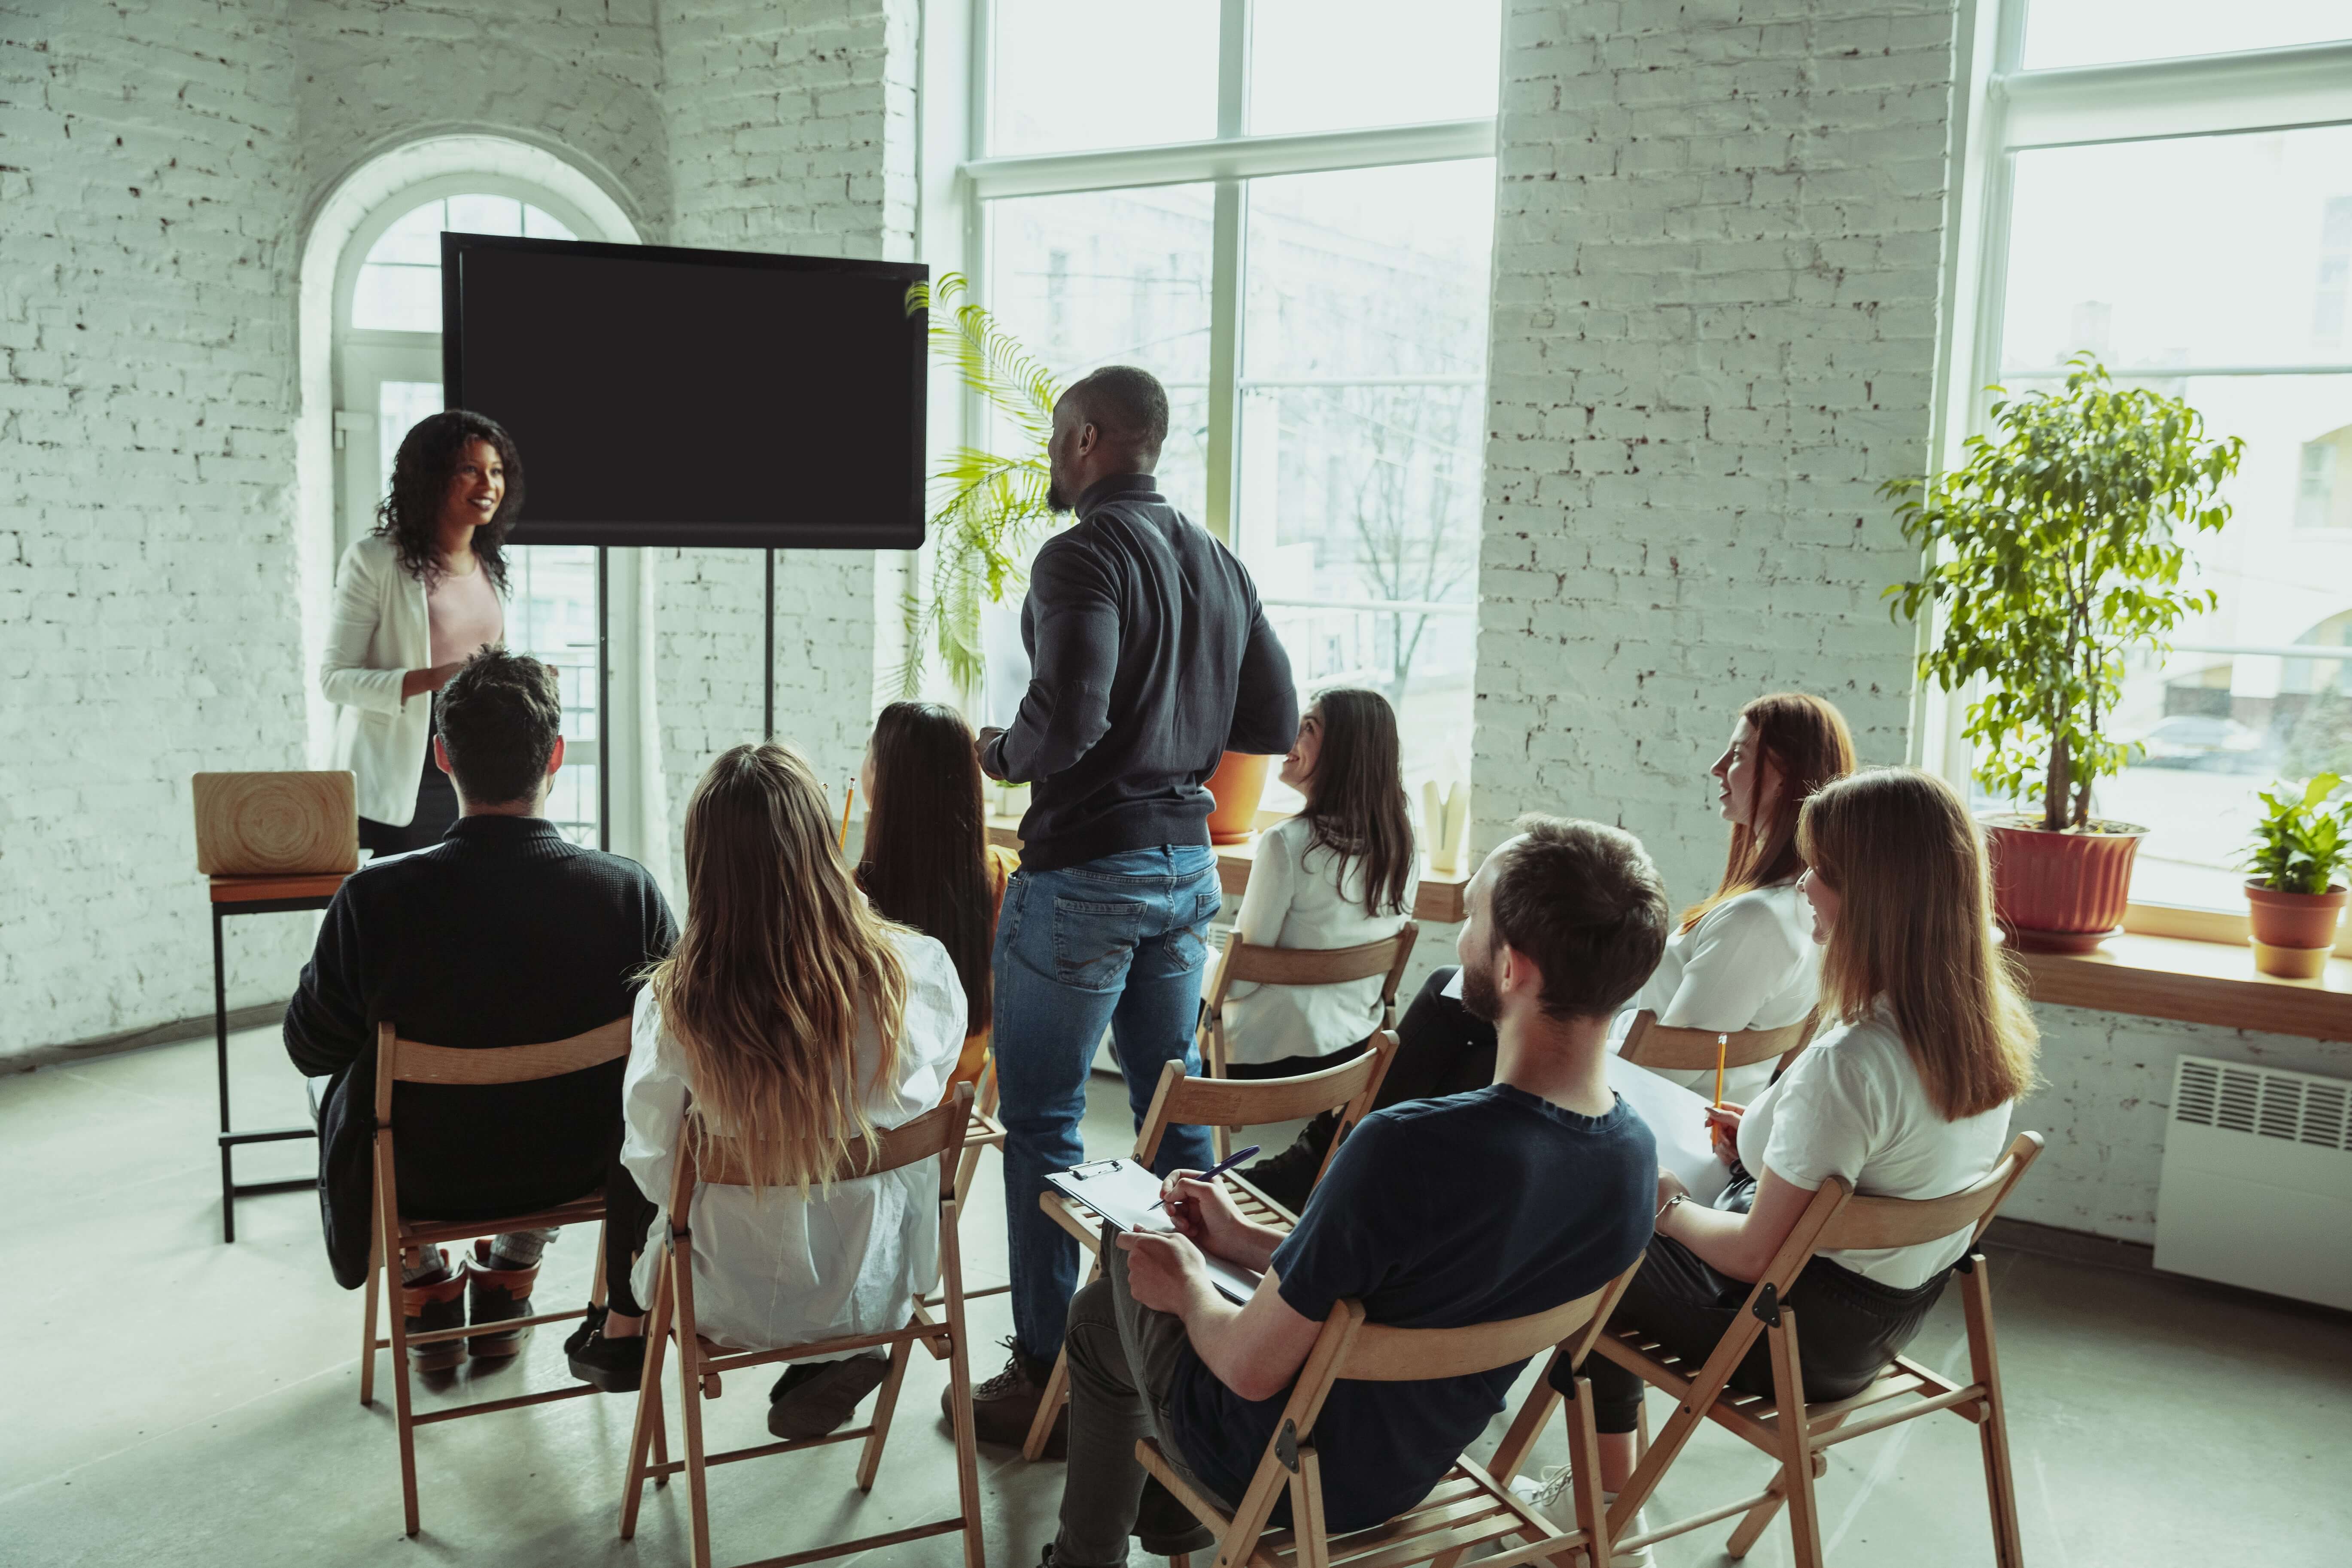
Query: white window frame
{"type": "Point", "coordinates": [1223, 162]}
{"type": "Point", "coordinates": [2008, 109]}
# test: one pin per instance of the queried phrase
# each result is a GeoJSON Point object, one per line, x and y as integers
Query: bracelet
{"type": "Point", "coordinates": [1658, 1221]}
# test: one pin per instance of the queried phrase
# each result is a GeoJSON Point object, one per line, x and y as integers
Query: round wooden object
{"type": "Point", "coordinates": [250, 825]}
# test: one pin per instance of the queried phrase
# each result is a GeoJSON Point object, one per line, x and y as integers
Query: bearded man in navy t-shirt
{"type": "Point", "coordinates": [1435, 1214]}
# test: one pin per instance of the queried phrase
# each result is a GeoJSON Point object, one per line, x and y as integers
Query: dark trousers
{"type": "Point", "coordinates": [1852, 1327]}
{"type": "Point", "coordinates": [628, 1216]}
{"type": "Point", "coordinates": [437, 808]}
{"type": "Point", "coordinates": [1440, 1050]}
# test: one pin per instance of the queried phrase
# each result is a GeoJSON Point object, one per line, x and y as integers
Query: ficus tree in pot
{"type": "Point", "coordinates": [2059, 545]}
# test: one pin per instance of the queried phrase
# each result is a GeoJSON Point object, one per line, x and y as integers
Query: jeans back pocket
{"type": "Point", "coordinates": [1093, 943]}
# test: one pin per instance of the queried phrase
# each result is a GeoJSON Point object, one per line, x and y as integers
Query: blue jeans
{"type": "Point", "coordinates": [1118, 943]}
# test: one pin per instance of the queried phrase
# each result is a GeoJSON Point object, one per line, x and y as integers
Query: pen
{"type": "Point", "coordinates": [848, 800]}
{"type": "Point", "coordinates": [1219, 1169]}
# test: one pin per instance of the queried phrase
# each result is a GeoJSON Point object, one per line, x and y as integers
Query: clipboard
{"type": "Point", "coordinates": [1122, 1192]}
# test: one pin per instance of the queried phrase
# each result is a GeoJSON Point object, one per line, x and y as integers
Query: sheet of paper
{"type": "Point", "coordinates": [1123, 1192]}
{"type": "Point", "coordinates": [1677, 1120]}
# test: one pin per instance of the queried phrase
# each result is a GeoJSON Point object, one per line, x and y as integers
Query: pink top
{"type": "Point", "coordinates": [464, 614]}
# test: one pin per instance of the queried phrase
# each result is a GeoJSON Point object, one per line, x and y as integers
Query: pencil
{"type": "Point", "coordinates": [1721, 1041]}
{"type": "Point", "coordinates": [850, 798]}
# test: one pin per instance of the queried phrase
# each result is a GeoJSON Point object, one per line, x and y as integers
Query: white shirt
{"type": "Point", "coordinates": [1750, 962]}
{"type": "Point", "coordinates": [1300, 896]}
{"type": "Point", "coordinates": [1853, 1105]}
{"type": "Point", "coordinates": [780, 1268]}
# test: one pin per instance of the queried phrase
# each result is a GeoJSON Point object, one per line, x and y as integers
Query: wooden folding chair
{"type": "Point", "coordinates": [1469, 1508]}
{"type": "Point", "coordinates": [1182, 1100]}
{"type": "Point", "coordinates": [985, 1132]}
{"type": "Point", "coordinates": [1250, 963]}
{"type": "Point", "coordinates": [1652, 1044]}
{"type": "Point", "coordinates": [938, 1133]}
{"type": "Point", "coordinates": [1784, 1426]}
{"type": "Point", "coordinates": [406, 1061]}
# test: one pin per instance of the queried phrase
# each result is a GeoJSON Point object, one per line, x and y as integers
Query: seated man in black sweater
{"type": "Point", "coordinates": [504, 933]}
{"type": "Point", "coordinates": [1505, 1201]}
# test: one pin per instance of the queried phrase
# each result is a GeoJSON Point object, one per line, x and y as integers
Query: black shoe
{"type": "Point", "coordinates": [1003, 1407]}
{"type": "Point", "coordinates": [433, 1304]}
{"type": "Point", "coordinates": [1165, 1527]}
{"type": "Point", "coordinates": [497, 1290]}
{"type": "Point", "coordinates": [616, 1366]}
{"type": "Point", "coordinates": [1288, 1178]}
{"type": "Point", "coordinates": [816, 1398]}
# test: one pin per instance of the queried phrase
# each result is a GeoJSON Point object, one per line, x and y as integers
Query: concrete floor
{"type": "Point", "coordinates": [177, 1401]}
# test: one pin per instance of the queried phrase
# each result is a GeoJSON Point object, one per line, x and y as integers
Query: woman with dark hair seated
{"type": "Point", "coordinates": [1742, 958]}
{"type": "Point", "coordinates": [927, 862]}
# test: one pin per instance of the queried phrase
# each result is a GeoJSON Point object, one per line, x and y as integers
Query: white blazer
{"type": "Point", "coordinates": [378, 633]}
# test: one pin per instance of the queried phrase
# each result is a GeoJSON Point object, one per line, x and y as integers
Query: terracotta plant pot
{"type": "Point", "coordinates": [2060, 893]}
{"type": "Point", "coordinates": [2294, 921]}
{"type": "Point", "coordinates": [2292, 963]}
{"type": "Point", "coordinates": [1237, 785]}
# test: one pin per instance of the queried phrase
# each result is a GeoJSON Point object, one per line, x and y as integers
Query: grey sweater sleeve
{"type": "Point", "coordinates": [1075, 616]}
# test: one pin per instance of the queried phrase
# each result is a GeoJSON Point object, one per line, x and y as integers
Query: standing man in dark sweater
{"type": "Point", "coordinates": [1150, 658]}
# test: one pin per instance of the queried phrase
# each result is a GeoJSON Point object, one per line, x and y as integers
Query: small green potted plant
{"type": "Point", "coordinates": [2301, 847]}
{"type": "Point", "coordinates": [2057, 547]}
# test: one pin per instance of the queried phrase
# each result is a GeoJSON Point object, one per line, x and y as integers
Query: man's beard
{"type": "Point", "coordinates": [1479, 998]}
{"type": "Point", "coordinates": [1056, 501]}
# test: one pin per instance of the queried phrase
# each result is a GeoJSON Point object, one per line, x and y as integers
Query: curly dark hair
{"type": "Point", "coordinates": [410, 513]}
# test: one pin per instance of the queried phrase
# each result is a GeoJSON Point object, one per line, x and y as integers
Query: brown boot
{"type": "Point", "coordinates": [1003, 1407]}
{"type": "Point", "coordinates": [493, 1296]}
{"type": "Point", "coordinates": [431, 1304]}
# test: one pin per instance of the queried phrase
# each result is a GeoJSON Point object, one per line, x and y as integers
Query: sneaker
{"type": "Point", "coordinates": [1288, 1178]}
{"type": "Point", "coordinates": [615, 1366]}
{"type": "Point", "coordinates": [1003, 1406]}
{"type": "Point", "coordinates": [815, 1398]}
{"type": "Point", "coordinates": [497, 1290]}
{"type": "Point", "coordinates": [434, 1302]}
{"type": "Point", "coordinates": [1548, 1495]}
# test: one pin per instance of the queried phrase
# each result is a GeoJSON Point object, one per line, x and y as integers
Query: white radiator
{"type": "Point", "coordinates": [2257, 1183]}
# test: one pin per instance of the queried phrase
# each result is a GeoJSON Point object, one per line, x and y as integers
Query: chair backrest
{"type": "Point", "coordinates": [1652, 1044]}
{"type": "Point", "coordinates": [409, 1061]}
{"type": "Point", "coordinates": [938, 1131]}
{"type": "Point", "coordinates": [1182, 1100]}
{"type": "Point", "coordinates": [1906, 1222]}
{"type": "Point", "coordinates": [1255, 963]}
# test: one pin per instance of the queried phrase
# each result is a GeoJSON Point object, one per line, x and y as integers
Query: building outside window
{"type": "Point", "coordinates": [2170, 188]}
{"type": "Point", "coordinates": [1289, 219]}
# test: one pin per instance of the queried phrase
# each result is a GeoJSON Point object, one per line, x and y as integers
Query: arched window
{"type": "Point", "coordinates": [387, 376]}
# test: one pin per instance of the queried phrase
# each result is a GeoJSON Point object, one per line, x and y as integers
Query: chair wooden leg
{"type": "Point", "coordinates": [597, 1280]}
{"type": "Point", "coordinates": [1526, 1427]}
{"type": "Point", "coordinates": [1049, 1406]}
{"type": "Point", "coordinates": [644, 1434]}
{"type": "Point", "coordinates": [375, 1286]}
{"type": "Point", "coordinates": [1796, 1447]}
{"type": "Point", "coordinates": [1584, 1475]}
{"type": "Point", "coordinates": [689, 1377]}
{"type": "Point", "coordinates": [1758, 1520]}
{"type": "Point", "coordinates": [967, 1433]}
{"type": "Point", "coordinates": [1992, 1431]}
{"type": "Point", "coordinates": [1307, 1511]}
{"type": "Point", "coordinates": [886, 1402]}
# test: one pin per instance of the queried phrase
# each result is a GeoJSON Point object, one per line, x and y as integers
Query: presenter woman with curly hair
{"type": "Point", "coordinates": [413, 600]}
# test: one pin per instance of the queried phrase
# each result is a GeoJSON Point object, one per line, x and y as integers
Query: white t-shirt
{"type": "Point", "coordinates": [1297, 897]}
{"type": "Point", "coordinates": [780, 1268]}
{"type": "Point", "coordinates": [1852, 1106]}
{"type": "Point", "coordinates": [1749, 964]}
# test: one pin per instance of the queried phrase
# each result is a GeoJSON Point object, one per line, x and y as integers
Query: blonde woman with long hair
{"type": "Point", "coordinates": [1927, 1044]}
{"type": "Point", "coordinates": [794, 1020]}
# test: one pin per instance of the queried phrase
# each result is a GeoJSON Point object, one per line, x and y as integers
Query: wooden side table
{"type": "Point", "coordinates": [254, 896]}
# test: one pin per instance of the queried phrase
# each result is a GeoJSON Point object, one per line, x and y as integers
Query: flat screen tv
{"type": "Point", "coordinates": [663, 396]}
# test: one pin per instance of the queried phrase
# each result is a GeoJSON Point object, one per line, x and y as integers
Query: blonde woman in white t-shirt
{"type": "Point", "coordinates": [1905, 1094]}
{"type": "Point", "coordinates": [1744, 957]}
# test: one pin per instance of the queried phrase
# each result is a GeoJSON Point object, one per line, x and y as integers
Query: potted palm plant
{"type": "Point", "coordinates": [2300, 848]}
{"type": "Point", "coordinates": [2056, 547]}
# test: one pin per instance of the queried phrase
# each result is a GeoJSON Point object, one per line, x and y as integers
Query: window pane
{"type": "Point", "coordinates": [551, 615]}
{"type": "Point", "coordinates": [399, 406]}
{"type": "Point", "coordinates": [1072, 75]}
{"type": "Point", "coordinates": [1333, 65]}
{"type": "Point", "coordinates": [1117, 277]}
{"type": "Point", "coordinates": [1363, 402]}
{"type": "Point", "coordinates": [2100, 32]}
{"type": "Point", "coordinates": [2099, 258]}
{"type": "Point", "coordinates": [399, 285]}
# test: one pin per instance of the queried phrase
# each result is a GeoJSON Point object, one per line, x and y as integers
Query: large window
{"type": "Point", "coordinates": [1288, 217]}
{"type": "Point", "coordinates": [2191, 225]}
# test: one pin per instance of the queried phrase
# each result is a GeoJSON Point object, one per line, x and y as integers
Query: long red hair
{"type": "Point", "coordinates": [1806, 742]}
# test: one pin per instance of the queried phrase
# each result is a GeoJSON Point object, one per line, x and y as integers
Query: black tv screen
{"type": "Point", "coordinates": [664, 396]}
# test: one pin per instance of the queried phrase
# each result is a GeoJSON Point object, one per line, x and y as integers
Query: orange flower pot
{"type": "Point", "coordinates": [1236, 787]}
{"type": "Point", "coordinates": [2060, 893]}
{"type": "Point", "coordinates": [2294, 920]}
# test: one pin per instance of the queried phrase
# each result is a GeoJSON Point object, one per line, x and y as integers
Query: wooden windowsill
{"type": "Point", "coordinates": [1439, 900]}
{"type": "Point", "coordinates": [2196, 982]}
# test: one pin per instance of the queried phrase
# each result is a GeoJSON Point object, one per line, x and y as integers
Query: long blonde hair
{"type": "Point", "coordinates": [1806, 740]}
{"type": "Point", "coordinates": [780, 953]}
{"type": "Point", "coordinates": [1915, 932]}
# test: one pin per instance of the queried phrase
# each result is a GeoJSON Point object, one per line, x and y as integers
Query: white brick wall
{"type": "Point", "coordinates": [1717, 250]}
{"type": "Point", "coordinates": [148, 627]}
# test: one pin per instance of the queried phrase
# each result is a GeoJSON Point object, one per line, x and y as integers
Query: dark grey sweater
{"type": "Point", "coordinates": [1149, 658]}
